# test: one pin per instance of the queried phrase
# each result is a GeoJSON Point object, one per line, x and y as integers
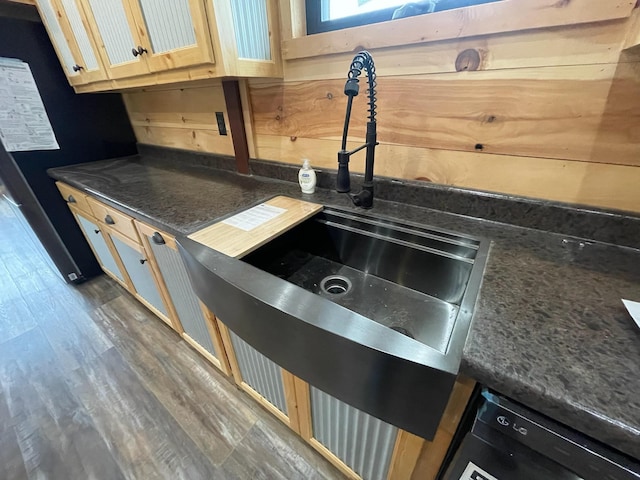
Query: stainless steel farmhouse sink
{"type": "Point", "coordinates": [405, 277]}
{"type": "Point", "coordinates": [371, 310]}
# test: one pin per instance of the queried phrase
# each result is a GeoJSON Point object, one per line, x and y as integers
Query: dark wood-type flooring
{"type": "Point", "coordinates": [93, 386]}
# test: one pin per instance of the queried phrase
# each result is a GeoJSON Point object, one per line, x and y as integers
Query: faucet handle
{"type": "Point", "coordinates": [364, 198]}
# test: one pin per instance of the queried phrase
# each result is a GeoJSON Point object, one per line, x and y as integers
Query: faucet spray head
{"type": "Point", "coordinates": [343, 180]}
{"type": "Point", "coordinates": [352, 87]}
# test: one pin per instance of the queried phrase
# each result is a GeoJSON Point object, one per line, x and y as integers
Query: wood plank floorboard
{"type": "Point", "coordinates": [94, 386]}
{"type": "Point", "coordinates": [74, 337]}
{"type": "Point", "coordinates": [56, 436]}
{"type": "Point", "coordinates": [11, 463]}
{"type": "Point", "coordinates": [270, 452]}
{"type": "Point", "coordinates": [145, 439]}
{"type": "Point", "coordinates": [205, 404]}
{"type": "Point", "coordinates": [15, 318]}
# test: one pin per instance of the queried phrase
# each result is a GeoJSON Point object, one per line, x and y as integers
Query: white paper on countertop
{"type": "Point", "coordinates": [254, 217]}
{"type": "Point", "coordinates": [634, 310]}
{"type": "Point", "coordinates": [24, 123]}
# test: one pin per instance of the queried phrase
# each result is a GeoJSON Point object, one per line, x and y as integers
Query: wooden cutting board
{"type": "Point", "coordinates": [246, 231]}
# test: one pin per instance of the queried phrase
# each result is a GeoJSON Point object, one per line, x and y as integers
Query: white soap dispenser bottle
{"type": "Point", "coordinates": [307, 177]}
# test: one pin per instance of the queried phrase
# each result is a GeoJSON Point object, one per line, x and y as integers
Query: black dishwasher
{"type": "Point", "coordinates": [511, 442]}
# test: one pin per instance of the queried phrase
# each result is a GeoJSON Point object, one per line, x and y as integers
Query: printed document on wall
{"type": "Point", "coordinates": [24, 124]}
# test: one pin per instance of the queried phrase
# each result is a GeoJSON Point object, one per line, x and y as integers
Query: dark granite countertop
{"type": "Point", "coordinates": [549, 328]}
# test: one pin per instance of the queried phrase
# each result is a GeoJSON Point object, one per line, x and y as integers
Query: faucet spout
{"type": "Point", "coordinates": [362, 61]}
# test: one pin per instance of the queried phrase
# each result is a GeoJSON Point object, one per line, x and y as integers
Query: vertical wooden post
{"type": "Point", "coordinates": [405, 455]}
{"type": "Point", "coordinates": [303, 403]}
{"type": "Point", "coordinates": [229, 350]}
{"type": "Point", "coordinates": [233, 101]}
{"type": "Point", "coordinates": [433, 452]}
{"type": "Point", "coordinates": [216, 338]}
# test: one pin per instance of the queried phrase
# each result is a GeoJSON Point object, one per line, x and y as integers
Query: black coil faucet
{"type": "Point", "coordinates": [364, 199]}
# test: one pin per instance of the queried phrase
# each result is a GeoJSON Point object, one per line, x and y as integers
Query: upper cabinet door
{"type": "Point", "coordinates": [62, 42]}
{"type": "Point", "coordinates": [247, 31]}
{"type": "Point", "coordinates": [89, 64]}
{"type": "Point", "coordinates": [175, 32]}
{"type": "Point", "coordinates": [121, 47]}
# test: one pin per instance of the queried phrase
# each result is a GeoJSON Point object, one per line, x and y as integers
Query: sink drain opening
{"type": "Point", "coordinates": [335, 285]}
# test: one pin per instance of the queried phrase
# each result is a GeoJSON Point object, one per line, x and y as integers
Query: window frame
{"type": "Point", "coordinates": [315, 24]}
{"type": "Point", "coordinates": [488, 19]}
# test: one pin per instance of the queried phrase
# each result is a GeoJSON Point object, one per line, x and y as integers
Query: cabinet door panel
{"type": "Point", "coordinates": [251, 25]}
{"type": "Point", "coordinates": [364, 443]}
{"type": "Point", "coordinates": [177, 32]}
{"type": "Point", "coordinates": [169, 24]}
{"type": "Point", "coordinates": [247, 34]}
{"type": "Point", "coordinates": [140, 274]}
{"type": "Point", "coordinates": [94, 237]}
{"type": "Point", "coordinates": [184, 299]}
{"type": "Point", "coordinates": [260, 373]}
{"type": "Point", "coordinates": [92, 69]}
{"type": "Point", "coordinates": [114, 23]}
{"type": "Point", "coordinates": [60, 42]}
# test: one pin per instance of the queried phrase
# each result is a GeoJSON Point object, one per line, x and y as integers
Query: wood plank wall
{"type": "Point", "coordinates": [550, 113]}
{"type": "Point", "coordinates": [180, 117]}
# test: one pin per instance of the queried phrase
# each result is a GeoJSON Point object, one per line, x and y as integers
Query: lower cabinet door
{"type": "Point", "coordinates": [260, 373]}
{"type": "Point", "coordinates": [184, 299]}
{"type": "Point", "coordinates": [141, 275]}
{"type": "Point", "coordinates": [94, 235]}
{"type": "Point", "coordinates": [361, 442]}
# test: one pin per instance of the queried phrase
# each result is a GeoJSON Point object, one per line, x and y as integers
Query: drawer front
{"type": "Point", "coordinates": [118, 221]}
{"type": "Point", "coordinates": [74, 197]}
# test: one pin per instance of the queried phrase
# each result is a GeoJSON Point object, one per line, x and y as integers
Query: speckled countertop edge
{"type": "Point", "coordinates": [549, 329]}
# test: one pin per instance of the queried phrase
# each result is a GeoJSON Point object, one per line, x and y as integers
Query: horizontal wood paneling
{"type": "Point", "coordinates": [555, 112]}
{"type": "Point", "coordinates": [180, 118]}
{"type": "Point", "coordinates": [596, 184]}
{"type": "Point", "coordinates": [581, 45]}
{"type": "Point", "coordinates": [186, 107]}
{"type": "Point", "coordinates": [196, 139]}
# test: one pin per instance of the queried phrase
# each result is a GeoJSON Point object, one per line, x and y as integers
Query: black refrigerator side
{"type": "Point", "coordinates": [87, 127]}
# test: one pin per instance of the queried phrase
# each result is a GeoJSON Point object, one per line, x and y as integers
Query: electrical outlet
{"type": "Point", "coordinates": [222, 128]}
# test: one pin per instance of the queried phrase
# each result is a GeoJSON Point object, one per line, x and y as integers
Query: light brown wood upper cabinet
{"type": "Point", "coordinates": [78, 53]}
{"type": "Point", "coordinates": [115, 29]}
{"type": "Point", "coordinates": [144, 36]}
{"type": "Point", "coordinates": [174, 33]}
{"type": "Point", "coordinates": [248, 35]}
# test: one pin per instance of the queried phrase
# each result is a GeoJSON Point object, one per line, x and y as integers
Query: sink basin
{"type": "Point", "coordinates": [406, 277]}
{"type": "Point", "coordinates": [370, 310]}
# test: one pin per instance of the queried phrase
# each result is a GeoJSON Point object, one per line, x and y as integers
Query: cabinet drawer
{"type": "Point", "coordinates": [117, 221]}
{"type": "Point", "coordinates": [74, 197]}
